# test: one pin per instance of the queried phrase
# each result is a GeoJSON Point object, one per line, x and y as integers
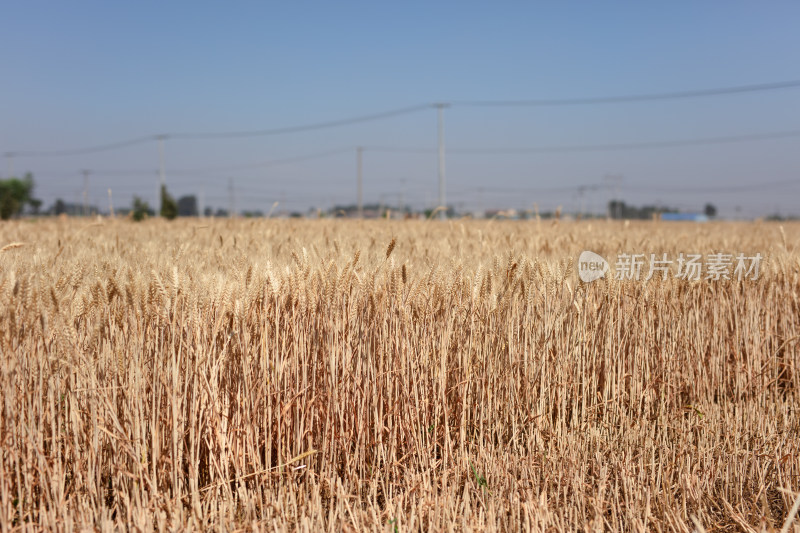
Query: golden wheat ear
{"type": "Point", "coordinates": [456, 377]}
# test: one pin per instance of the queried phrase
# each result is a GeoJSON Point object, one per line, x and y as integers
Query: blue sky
{"type": "Point", "coordinates": [87, 73]}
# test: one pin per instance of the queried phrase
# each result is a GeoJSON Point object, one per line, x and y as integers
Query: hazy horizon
{"type": "Point", "coordinates": [89, 74]}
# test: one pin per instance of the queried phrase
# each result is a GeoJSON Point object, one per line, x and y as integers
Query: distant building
{"type": "Point", "coordinates": [61, 207]}
{"type": "Point", "coordinates": [685, 217]}
{"type": "Point", "coordinates": [509, 214]}
{"type": "Point", "coordinates": [187, 206]}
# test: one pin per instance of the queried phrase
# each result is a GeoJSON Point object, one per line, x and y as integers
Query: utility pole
{"type": "Point", "coordinates": [161, 171]}
{"type": "Point", "coordinates": [402, 205]}
{"type": "Point", "coordinates": [360, 195]}
{"type": "Point", "coordinates": [231, 201]}
{"type": "Point", "coordinates": [582, 197]}
{"type": "Point", "coordinates": [202, 200]}
{"type": "Point", "coordinates": [10, 163]}
{"type": "Point", "coordinates": [110, 204]}
{"type": "Point", "coordinates": [85, 191]}
{"type": "Point", "coordinates": [615, 180]}
{"type": "Point", "coordinates": [442, 198]}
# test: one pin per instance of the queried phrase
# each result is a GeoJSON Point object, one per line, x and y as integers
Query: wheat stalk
{"type": "Point", "coordinates": [269, 375]}
{"type": "Point", "coordinates": [12, 246]}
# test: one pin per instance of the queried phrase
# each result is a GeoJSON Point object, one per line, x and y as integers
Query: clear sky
{"type": "Point", "coordinates": [86, 73]}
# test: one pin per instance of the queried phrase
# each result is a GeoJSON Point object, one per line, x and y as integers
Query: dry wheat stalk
{"type": "Point", "coordinates": [463, 381]}
{"type": "Point", "coordinates": [12, 245]}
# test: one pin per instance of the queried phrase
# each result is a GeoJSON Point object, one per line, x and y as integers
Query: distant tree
{"type": "Point", "coordinates": [620, 210]}
{"type": "Point", "coordinates": [169, 208]}
{"type": "Point", "coordinates": [450, 212]}
{"type": "Point", "coordinates": [187, 206]}
{"type": "Point", "coordinates": [35, 204]}
{"type": "Point", "coordinates": [617, 208]}
{"type": "Point", "coordinates": [140, 209]}
{"type": "Point", "coordinates": [15, 194]}
{"type": "Point", "coordinates": [59, 207]}
{"type": "Point", "coordinates": [710, 210]}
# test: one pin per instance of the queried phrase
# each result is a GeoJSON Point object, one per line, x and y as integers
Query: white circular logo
{"type": "Point", "coordinates": [591, 266]}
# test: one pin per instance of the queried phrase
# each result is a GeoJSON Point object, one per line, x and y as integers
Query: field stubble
{"type": "Point", "coordinates": [394, 376]}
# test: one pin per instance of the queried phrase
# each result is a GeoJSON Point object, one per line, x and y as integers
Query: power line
{"type": "Point", "coordinates": [511, 190]}
{"type": "Point", "coordinates": [205, 170]}
{"type": "Point", "coordinates": [274, 197]}
{"type": "Point", "coordinates": [466, 151]}
{"type": "Point", "coordinates": [265, 164]}
{"type": "Point", "coordinates": [86, 150]}
{"type": "Point", "coordinates": [305, 127]}
{"type": "Point", "coordinates": [406, 110]}
{"type": "Point", "coordinates": [475, 150]}
{"type": "Point", "coordinates": [633, 97]}
{"type": "Point", "coordinates": [775, 185]}
{"type": "Point", "coordinates": [219, 135]}
{"type": "Point", "coordinates": [597, 147]}
{"type": "Point", "coordinates": [402, 150]}
{"type": "Point", "coordinates": [126, 172]}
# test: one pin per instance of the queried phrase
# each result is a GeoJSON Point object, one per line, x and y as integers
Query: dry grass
{"type": "Point", "coordinates": [329, 376]}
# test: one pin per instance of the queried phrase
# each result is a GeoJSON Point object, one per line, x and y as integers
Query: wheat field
{"type": "Point", "coordinates": [334, 375]}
